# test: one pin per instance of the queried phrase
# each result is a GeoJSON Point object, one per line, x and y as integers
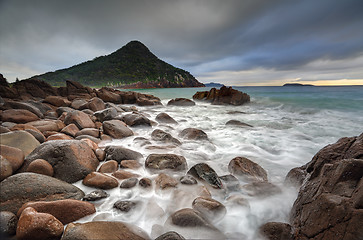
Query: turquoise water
{"type": "Point", "coordinates": [343, 98]}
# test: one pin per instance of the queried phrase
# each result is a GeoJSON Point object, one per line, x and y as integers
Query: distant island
{"type": "Point", "coordinates": [212, 84]}
{"type": "Point", "coordinates": [296, 85]}
{"type": "Point", "coordinates": [132, 66]}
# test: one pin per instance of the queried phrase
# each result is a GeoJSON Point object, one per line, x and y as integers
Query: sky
{"type": "Point", "coordinates": [234, 42]}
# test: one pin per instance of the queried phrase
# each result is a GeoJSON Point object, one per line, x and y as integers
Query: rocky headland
{"type": "Point", "coordinates": [51, 140]}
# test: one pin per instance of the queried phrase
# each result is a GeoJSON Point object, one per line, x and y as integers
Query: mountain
{"type": "Point", "coordinates": [132, 66]}
{"type": "Point", "coordinates": [213, 84]}
{"type": "Point", "coordinates": [297, 85]}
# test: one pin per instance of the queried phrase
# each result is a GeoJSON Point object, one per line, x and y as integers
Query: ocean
{"type": "Point", "coordinates": [290, 125]}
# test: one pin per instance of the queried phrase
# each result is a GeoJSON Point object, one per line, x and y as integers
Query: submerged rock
{"type": "Point", "coordinates": [170, 236]}
{"type": "Point", "coordinates": [165, 118]}
{"type": "Point", "coordinates": [209, 208]}
{"type": "Point", "coordinates": [237, 123]}
{"type": "Point", "coordinates": [118, 154]}
{"type": "Point", "coordinates": [95, 195]}
{"type": "Point", "coordinates": [193, 134]}
{"type": "Point", "coordinates": [124, 206]}
{"type": "Point", "coordinates": [161, 136]}
{"type": "Point", "coordinates": [165, 181]}
{"type": "Point", "coordinates": [136, 120]}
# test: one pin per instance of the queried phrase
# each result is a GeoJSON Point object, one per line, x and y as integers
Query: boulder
{"type": "Point", "coordinates": [26, 106]}
{"type": "Point", "coordinates": [145, 182]}
{"type": "Point", "coordinates": [34, 88]}
{"type": "Point", "coordinates": [4, 129]}
{"type": "Point", "coordinates": [93, 132]}
{"type": "Point", "coordinates": [116, 129]}
{"type": "Point", "coordinates": [188, 180]}
{"type": "Point", "coordinates": [34, 187]}
{"type": "Point", "coordinates": [166, 161]}
{"type": "Point", "coordinates": [77, 103]}
{"type": "Point", "coordinates": [18, 116]}
{"type": "Point", "coordinates": [40, 166]}
{"type": "Point", "coordinates": [109, 167]}
{"type": "Point", "coordinates": [165, 118]}
{"type": "Point", "coordinates": [95, 104]}
{"type": "Point", "coordinates": [122, 174]}
{"type": "Point", "coordinates": [329, 205]}
{"type": "Point", "coordinates": [59, 136]}
{"type": "Point", "coordinates": [132, 164]}
{"type": "Point", "coordinates": [100, 180]}
{"type": "Point", "coordinates": [276, 231]}
{"type": "Point", "coordinates": [129, 183]}
{"type": "Point", "coordinates": [8, 223]}
{"type": "Point", "coordinates": [296, 176]}
{"type": "Point", "coordinates": [48, 125]}
{"type": "Point", "coordinates": [21, 140]}
{"type": "Point", "coordinates": [193, 134]}
{"type": "Point", "coordinates": [209, 208]}
{"type": "Point", "coordinates": [72, 160]}
{"type": "Point", "coordinates": [134, 119]}
{"type": "Point", "coordinates": [95, 195]}
{"type": "Point", "coordinates": [188, 217]}
{"type": "Point", "coordinates": [120, 153]}
{"type": "Point", "coordinates": [230, 182]}
{"type": "Point", "coordinates": [70, 130]}
{"type": "Point", "coordinates": [57, 101]}
{"type": "Point", "coordinates": [35, 225]}
{"type": "Point", "coordinates": [171, 235]}
{"type": "Point", "coordinates": [6, 169]}
{"type": "Point", "coordinates": [15, 156]}
{"type": "Point", "coordinates": [80, 119]}
{"type": "Point", "coordinates": [107, 95]}
{"type": "Point", "coordinates": [101, 154]}
{"type": "Point", "coordinates": [225, 95]}
{"type": "Point", "coordinates": [181, 102]}
{"type": "Point", "coordinates": [106, 114]}
{"type": "Point", "coordinates": [66, 211]}
{"type": "Point", "coordinates": [242, 166]}
{"type": "Point", "coordinates": [165, 181]}
{"type": "Point", "coordinates": [103, 230]}
{"type": "Point", "coordinates": [161, 136]}
{"type": "Point", "coordinates": [204, 172]}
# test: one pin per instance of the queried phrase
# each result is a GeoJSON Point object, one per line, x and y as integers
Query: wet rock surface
{"type": "Point", "coordinates": [35, 225]}
{"type": "Point", "coordinates": [225, 95]}
{"type": "Point", "coordinates": [103, 230]}
{"type": "Point", "coordinates": [34, 187]}
{"type": "Point", "coordinates": [66, 211]}
{"type": "Point", "coordinates": [184, 102]}
{"type": "Point", "coordinates": [329, 204]}
{"type": "Point", "coordinates": [71, 160]}
{"type": "Point", "coordinates": [95, 195]}
{"type": "Point", "coordinates": [244, 167]}
{"type": "Point", "coordinates": [205, 172]}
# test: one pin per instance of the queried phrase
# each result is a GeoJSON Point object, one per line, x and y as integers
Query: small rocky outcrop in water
{"type": "Point", "coordinates": [223, 96]}
{"type": "Point", "coordinates": [329, 204]}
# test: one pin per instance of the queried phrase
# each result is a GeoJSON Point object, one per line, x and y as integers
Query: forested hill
{"type": "Point", "coordinates": [132, 66]}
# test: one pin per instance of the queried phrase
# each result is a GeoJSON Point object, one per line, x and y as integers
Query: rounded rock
{"type": "Point", "coordinates": [100, 180]}
{"type": "Point", "coordinates": [41, 166]}
{"type": "Point", "coordinates": [8, 223]}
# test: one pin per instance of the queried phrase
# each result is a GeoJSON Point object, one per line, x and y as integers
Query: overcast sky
{"type": "Point", "coordinates": [249, 42]}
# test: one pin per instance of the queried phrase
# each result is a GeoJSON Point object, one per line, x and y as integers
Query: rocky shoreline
{"type": "Point", "coordinates": [52, 138]}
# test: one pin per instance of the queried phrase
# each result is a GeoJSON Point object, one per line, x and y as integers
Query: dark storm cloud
{"type": "Point", "coordinates": [202, 36]}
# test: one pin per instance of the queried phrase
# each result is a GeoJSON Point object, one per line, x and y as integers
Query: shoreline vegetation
{"type": "Point", "coordinates": [52, 138]}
